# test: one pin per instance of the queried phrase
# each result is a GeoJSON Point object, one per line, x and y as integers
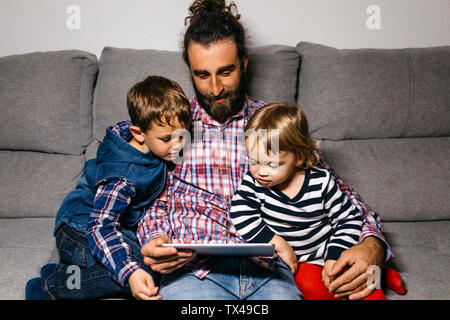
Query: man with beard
{"type": "Point", "coordinates": [194, 206]}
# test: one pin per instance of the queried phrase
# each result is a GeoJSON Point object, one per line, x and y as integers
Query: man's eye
{"type": "Point", "coordinates": [225, 74]}
{"type": "Point", "coordinates": [165, 139]}
{"type": "Point", "coordinates": [251, 161]}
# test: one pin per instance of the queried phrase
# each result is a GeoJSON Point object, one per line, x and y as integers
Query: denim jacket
{"type": "Point", "coordinates": [116, 159]}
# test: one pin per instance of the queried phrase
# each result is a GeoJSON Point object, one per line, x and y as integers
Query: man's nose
{"type": "Point", "coordinates": [216, 87]}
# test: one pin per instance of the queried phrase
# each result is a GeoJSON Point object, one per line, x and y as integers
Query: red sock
{"type": "Point", "coordinates": [394, 281]}
{"type": "Point", "coordinates": [309, 281]}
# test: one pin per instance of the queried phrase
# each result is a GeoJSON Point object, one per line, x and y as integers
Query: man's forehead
{"type": "Point", "coordinates": [217, 54]}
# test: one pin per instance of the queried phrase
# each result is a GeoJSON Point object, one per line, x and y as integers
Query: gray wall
{"type": "Point", "coordinates": [41, 25]}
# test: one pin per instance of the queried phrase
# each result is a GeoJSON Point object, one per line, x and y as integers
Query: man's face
{"type": "Point", "coordinates": [219, 79]}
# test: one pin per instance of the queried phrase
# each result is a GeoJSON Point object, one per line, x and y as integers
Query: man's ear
{"type": "Point", "coordinates": [137, 133]}
{"type": "Point", "coordinates": [245, 62]}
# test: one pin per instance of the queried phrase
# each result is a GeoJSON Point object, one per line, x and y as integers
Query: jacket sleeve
{"type": "Point", "coordinates": [246, 214]}
{"type": "Point", "coordinates": [105, 240]}
{"type": "Point", "coordinates": [371, 220]}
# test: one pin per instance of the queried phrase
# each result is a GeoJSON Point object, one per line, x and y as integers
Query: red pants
{"type": "Point", "coordinates": [309, 281]}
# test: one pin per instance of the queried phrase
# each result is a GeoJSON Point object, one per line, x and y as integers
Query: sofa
{"type": "Point", "coordinates": [382, 115]}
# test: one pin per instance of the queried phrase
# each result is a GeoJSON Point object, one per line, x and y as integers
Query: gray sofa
{"type": "Point", "coordinates": [383, 117]}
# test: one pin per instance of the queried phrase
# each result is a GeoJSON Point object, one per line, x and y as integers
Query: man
{"type": "Point", "coordinates": [204, 183]}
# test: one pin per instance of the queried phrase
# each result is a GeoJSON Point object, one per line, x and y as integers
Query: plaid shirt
{"type": "Point", "coordinates": [194, 205]}
{"type": "Point", "coordinates": [103, 234]}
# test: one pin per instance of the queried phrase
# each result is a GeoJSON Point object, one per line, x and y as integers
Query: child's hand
{"type": "Point", "coordinates": [142, 286]}
{"type": "Point", "coordinates": [326, 271]}
{"type": "Point", "coordinates": [285, 252]}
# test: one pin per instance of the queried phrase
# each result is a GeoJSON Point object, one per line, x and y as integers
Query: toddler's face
{"type": "Point", "coordinates": [270, 169]}
{"type": "Point", "coordinates": [166, 141]}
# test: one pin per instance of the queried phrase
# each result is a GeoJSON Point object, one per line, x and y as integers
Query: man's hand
{"type": "Point", "coordinates": [350, 270]}
{"type": "Point", "coordinates": [165, 260]}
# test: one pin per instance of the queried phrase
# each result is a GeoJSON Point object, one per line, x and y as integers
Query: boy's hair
{"type": "Point", "coordinates": [211, 21]}
{"type": "Point", "coordinates": [157, 100]}
{"type": "Point", "coordinates": [286, 122]}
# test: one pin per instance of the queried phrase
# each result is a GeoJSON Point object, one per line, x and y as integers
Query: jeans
{"type": "Point", "coordinates": [94, 281]}
{"type": "Point", "coordinates": [232, 278]}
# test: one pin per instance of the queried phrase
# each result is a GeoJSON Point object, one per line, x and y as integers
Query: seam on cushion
{"type": "Point", "coordinates": [411, 91]}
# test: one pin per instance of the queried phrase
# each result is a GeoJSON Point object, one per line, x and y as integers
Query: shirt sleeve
{"type": "Point", "coordinates": [371, 221]}
{"type": "Point", "coordinates": [246, 214]}
{"type": "Point", "coordinates": [155, 220]}
{"type": "Point", "coordinates": [344, 218]}
{"type": "Point", "coordinates": [105, 240]}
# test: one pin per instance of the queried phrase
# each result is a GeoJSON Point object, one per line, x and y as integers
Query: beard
{"type": "Point", "coordinates": [234, 101]}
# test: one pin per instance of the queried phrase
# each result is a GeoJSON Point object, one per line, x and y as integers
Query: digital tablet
{"type": "Point", "coordinates": [226, 249]}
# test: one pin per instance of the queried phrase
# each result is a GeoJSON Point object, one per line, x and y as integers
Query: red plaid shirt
{"type": "Point", "coordinates": [194, 205]}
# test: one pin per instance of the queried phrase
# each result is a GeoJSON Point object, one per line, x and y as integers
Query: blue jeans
{"type": "Point", "coordinates": [94, 280]}
{"type": "Point", "coordinates": [232, 278]}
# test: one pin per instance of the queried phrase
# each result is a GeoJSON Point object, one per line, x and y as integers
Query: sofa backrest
{"type": "Point", "coordinates": [46, 121]}
{"type": "Point", "coordinates": [272, 71]}
{"type": "Point", "coordinates": [375, 93]}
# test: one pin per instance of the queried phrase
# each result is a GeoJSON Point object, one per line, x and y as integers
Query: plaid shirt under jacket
{"type": "Point", "coordinates": [194, 205]}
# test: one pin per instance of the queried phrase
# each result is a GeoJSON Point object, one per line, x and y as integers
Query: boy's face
{"type": "Point", "coordinates": [270, 169]}
{"type": "Point", "coordinates": [165, 141]}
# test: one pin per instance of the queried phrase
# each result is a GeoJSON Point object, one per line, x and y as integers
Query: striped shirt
{"type": "Point", "coordinates": [194, 204]}
{"type": "Point", "coordinates": [320, 222]}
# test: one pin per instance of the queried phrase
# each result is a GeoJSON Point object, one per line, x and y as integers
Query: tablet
{"type": "Point", "coordinates": [226, 249]}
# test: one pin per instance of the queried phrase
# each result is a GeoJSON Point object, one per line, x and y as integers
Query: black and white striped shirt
{"type": "Point", "coordinates": [319, 223]}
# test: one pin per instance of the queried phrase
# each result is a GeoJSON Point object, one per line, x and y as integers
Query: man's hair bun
{"type": "Point", "coordinates": [202, 7]}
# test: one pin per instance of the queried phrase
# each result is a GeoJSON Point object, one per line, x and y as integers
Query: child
{"type": "Point", "coordinates": [96, 224]}
{"type": "Point", "coordinates": [286, 200]}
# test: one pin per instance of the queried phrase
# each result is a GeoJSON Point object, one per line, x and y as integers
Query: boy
{"type": "Point", "coordinates": [96, 224]}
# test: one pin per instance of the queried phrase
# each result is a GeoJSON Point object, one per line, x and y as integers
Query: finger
{"type": "Point", "coordinates": [340, 265]}
{"type": "Point", "coordinates": [345, 278]}
{"type": "Point", "coordinates": [361, 294]}
{"type": "Point", "coordinates": [359, 281]}
{"type": "Point", "coordinates": [349, 292]}
{"type": "Point", "coordinates": [352, 292]}
{"type": "Point", "coordinates": [167, 267]}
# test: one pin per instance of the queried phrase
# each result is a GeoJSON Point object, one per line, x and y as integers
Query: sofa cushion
{"type": "Point", "coordinates": [47, 101]}
{"type": "Point", "coordinates": [422, 256]}
{"type": "Point", "coordinates": [35, 183]}
{"type": "Point", "coordinates": [272, 71]}
{"type": "Point", "coordinates": [375, 93]}
{"type": "Point", "coordinates": [401, 179]}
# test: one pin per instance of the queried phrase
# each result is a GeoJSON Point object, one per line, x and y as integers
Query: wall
{"type": "Point", "coordinates": [41, 25]}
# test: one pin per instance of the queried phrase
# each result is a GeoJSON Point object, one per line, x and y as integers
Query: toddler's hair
{"type": "Point", "coordinates": [157, 100]}
{"type": "Point", "coordinates": [287, 124]}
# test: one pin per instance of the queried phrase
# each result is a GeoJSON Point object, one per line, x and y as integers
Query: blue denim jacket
{"type": "Point", "coordinates": [116, 159]}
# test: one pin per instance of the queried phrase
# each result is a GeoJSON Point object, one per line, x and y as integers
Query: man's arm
{"type": "Point", "coordinates": [153, 231]}
{"type": "Point", "coordinates": [350, 271]}
{"type": "Point", "coordinates": [371, 221]}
